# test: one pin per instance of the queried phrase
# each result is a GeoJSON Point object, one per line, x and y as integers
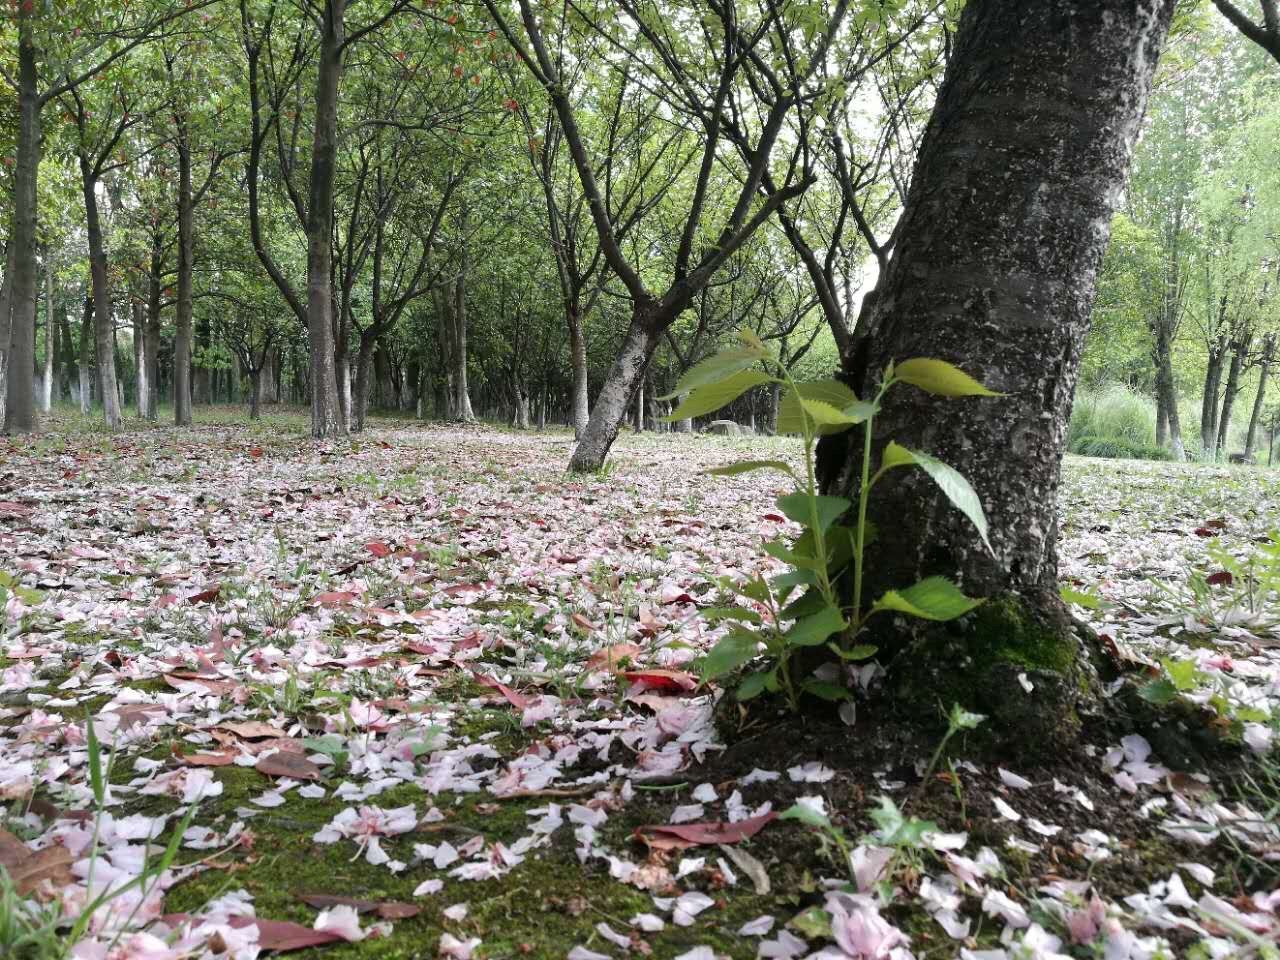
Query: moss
{"type": "Point", "coordinates": [1004, 630]}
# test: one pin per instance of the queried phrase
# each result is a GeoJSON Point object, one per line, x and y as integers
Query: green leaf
{"type": "Point", "coordinates": [780, 551]}
{"type": "Point", "coordinates": [795, 506]}
{"type": "Point", "coordinates": [949, 480]}
{"type": "Point", "coordinates": [752, 686]}
{"type": "Point", "coordinates": [713, 396]}
{"type": "Point", "coordinates": [717, 614]}
{"type": "Point", "coordinates": [815, 628]}
{"type": "Point", "coordinates": [1158, 692]}
{"type": "Point", "coordinates": [712, 370]}
{"type": "Point", "coordinates": [730, 653]}
{"type": "Point", "coordinates": [784, 583]}
{"type": "Point", "coordinates": [863, 651]}
{"type": "Point", "coordinates": [814, 923]}
{"type": "Point", "coordinates": [825, 691]}
{"type": "Point", "coordinates": [894, 455]}
{"type": "Point", "coordinates": [1182, 673]}
{"type": "Point", "coordinates": [833, 393]}
{"type": "Point", "coordinates": [823, 414]}
{"type": "Point", "coordinates": [749, 466]}
{"type": "Point", "coordinates": [1089, 601]}
{"type": "Point", "coordinates": [940, 378]}
{"type": "Point", "coordinates": [809, 603]}
{"type": "Point", "coordinates": [806, 815]}
{"type": "Point", "coordinates": [934, 598]}
{"type": "Point", "coordinates": [962, 719]}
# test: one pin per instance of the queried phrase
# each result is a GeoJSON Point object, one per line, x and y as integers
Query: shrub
{"type": "Point", "coordinates": [1113, 413]}
{"type": "Point", "coordinates": [1117, 448]}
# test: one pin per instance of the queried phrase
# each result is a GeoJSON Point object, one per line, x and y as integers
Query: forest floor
{"type": "Point", "coordinates": [427, 693]}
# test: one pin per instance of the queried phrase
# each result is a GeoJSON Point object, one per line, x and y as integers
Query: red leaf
{"type": "Point", "coordinates": [1204, 532]}
{"type": "Point", "coordinates": [663, 679]}
{"type": "Point", "coordinates": [378, 549]}
{"type": "Point", "coordinates": [774, 518]}
{"type": "Point", "coordinates": [286, 764]}
{"type": "Point", "coordinates": [279, 935]}
{"type": "Point", "coordinates": [695, 834]}
{"type": "Point", "coordinates": [222, 758]}
{"type": "Point", "coordinates": [517, 700]}
{"type": "Point", "coordinates": [334, 598]}
{"type": "Point", "coordinates": [255, 452]}
{"type": "Point", "coordinates": [611, 656]}
{"type": "Point", "coordinates": [1222, 578]}
{"type": "Point", "coordinates": [582, 623]}
{"type": "Point", "coordinates": [204, 596]}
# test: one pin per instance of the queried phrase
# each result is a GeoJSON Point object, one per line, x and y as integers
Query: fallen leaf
{"type": "Point", "coordinates": [285, 764]}
{"type": "Point", "coordinates": [386, 909]}
{"type": "Point", "coordinates": [27, 869]}
{"type": "Point", "coordinates": [613, 655]}
{"type": "Point", "coordinates": [671, 836]}
{"type": "Point", "coordinates": [663, 679]}
{"type": "Point", "coordinates": [517, 700]}
{"type": "Point", "coordinates": [253, 730]}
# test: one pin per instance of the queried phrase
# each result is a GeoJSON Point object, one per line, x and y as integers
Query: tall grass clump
{"type": "Point", "coordinates": [1114, 421]}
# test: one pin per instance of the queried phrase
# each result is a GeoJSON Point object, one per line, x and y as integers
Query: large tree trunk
{"type": "Point", "coordinates": [20, 407]}
{"type": "Point", "coordinates": [619, 388]}
{"type": "Point", "coordinates": [186, 246]}
{"type": "Point", "coordinates": [1002, 236]}
{"type": "Point", "coordinates": [1268, 351]}
{"type": "Point", "coordinates": [103, 317]}
{"type": "Point", "coordinates": [1239, 348]}
{"type": "Point", "coordinates": [326, 414]}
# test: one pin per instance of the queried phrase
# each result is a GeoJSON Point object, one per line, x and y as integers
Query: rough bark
{"type": "Point", "coordinates": [20, 408]}
{"type": "Point", "coordinates": [1162, 357]}
{"type": "Point", "coordinates": [1002, 236]}
{"type": "Point", "coordinates": [581, 400]}
{"type": "Point", "coordinates": [619, 387]}
{"type": "Point", "coordinates": [1259, 398]}
{"type": "Point", "coordinates": [1212, 391]}
{"type": "Point", "coordinates": [360, 395]}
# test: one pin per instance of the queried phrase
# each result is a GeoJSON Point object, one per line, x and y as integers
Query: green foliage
{"type": "Point", "coordinates": [827, 549]}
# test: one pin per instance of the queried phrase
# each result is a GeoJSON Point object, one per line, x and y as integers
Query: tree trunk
{"type": "Point", "coordinates": [86, 381]}
{"type": "Point", "coordinates": [578, 358]}
{"type": "Point", "coordinates": [20, 408]}
{"type": "Point", "coordinates": [1239, 348]}
{"type": "Point", "coordinates": [103, 317]}
{"type": "Point", "coordinates": [1209, 403]}
{"type": "Point", "coordinates": [617, 391]}
{"type": "Point", "coordinates": [142, 385]}
{"type": "Point", "coordinates": [255, 392]}
{"type": "Point", "coordinates": [186, 245]}
{"type": "Point", "coordinates": [201, 381]}
{"type": "Point", "coordinates": [50, 336]}
{"type": "Point", "coordinates": [151, 336]}
{"type": "Point", "coordinates": [67, 361]}
{"type": "Point", "coordinates": [639, 406]}
{"type": "Point", "coordinates": [458, 312]}
{"type": "Point", "coordinates": [360, 395]}
{"type": "Point", "coordinates": [6, 321]}
{"type": "Point", "coordinates": [1163, 358]}
{"type": "Point", "coordinates": [1264, 368]}
{"type": "Point", "coordinates": [1002, 236]}
{"type": "Point", "coordinates": [326, 414]}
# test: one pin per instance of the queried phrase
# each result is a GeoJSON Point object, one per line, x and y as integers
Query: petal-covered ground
{"type": "Point", "coordinates": [422, 694]}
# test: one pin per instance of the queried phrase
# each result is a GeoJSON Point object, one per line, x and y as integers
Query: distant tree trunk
{"type": "Point", "coordinates": [255, 392]}
{"type": "Point", "coordinates": [6, 320]}
{"type": "Point", "coordinates": [201, 382]}
{"type": "Point", "coordinates": [50, 336]}
{"type": "Point", "coordinates": [1239, 349]}
{"type": "Point", "coordinates": [86, 380]}
{"type": "Point", "coordinates": [639, 406]}
{"type": "Point", "coordinates": [186, 246]}
{"type": "Point", "coordinates": [151, 336]}
{"type": "Point", "coordinates": [1268, 353]}
{"type": "Point", "coordinates": [1030, 138]}
{"type": "Point", "coordinates": [20, 342]}
{"type": "Point", "coordinates": [142, 385]}
{"type": "Point", "coordinates": [1165, 389]}
{"type": "Point", "coordinates": [103, 315]}
{"type": "Point", "coordinates": [457, 318]}
{"type": "Point", "coordinates": [581, 402]}
{"type": "Point", "coordinates": [1212, 390]}
{"type": "Point", "coordinates": [67, 365]}
{"type": "Point", "coordinates": [360, 395]}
